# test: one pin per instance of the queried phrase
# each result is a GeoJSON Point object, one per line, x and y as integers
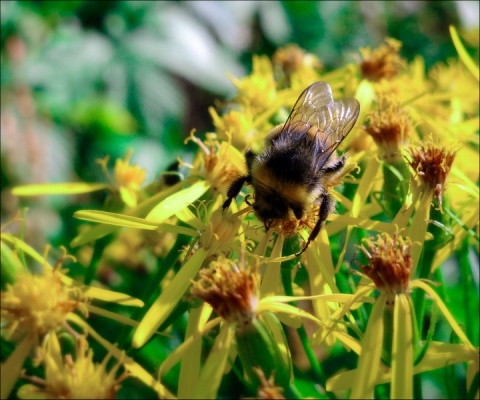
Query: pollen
{"type": "Point", "coordinates": [81, 378]}
{"type": "Point", "coordinates": [214, 163]}
{"type": "Point", "coordinates": [389, 263]}
{"type": "Point", "coordinates": [38, 303]}
{"type": "Point", "coordinates": [432, 163]}
{"type": "Point", "coordinates": [389, 126]}
{"type": "Point", "coordinates": [290, 225]}
{"type": "Point", "coordinates": [230, 290]}
{"type": "Point", "coordinates": [383, 62]}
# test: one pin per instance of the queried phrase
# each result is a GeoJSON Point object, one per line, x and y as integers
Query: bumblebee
{"type": "Point", "coordinates": [299, 161]}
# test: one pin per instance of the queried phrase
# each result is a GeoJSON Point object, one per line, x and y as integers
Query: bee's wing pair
{"type": "Point", "coordinates": [333, 119]}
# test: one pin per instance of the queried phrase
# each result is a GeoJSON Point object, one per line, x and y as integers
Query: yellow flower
{"type": "Point", "coordinates": [293, 64]}
{"type": "Point", "coordinates": [257, 92]}
{"type": "Point", "coordinates": [250, 312]}
{"type": "Point", "coordinates": [218, 163]}
{"type": "Point", "coordinates": [383, 62]}
{"type": "Point", "coordinates": [389, 264]}
{"type": "Point", "coordinates": [235, 125]}
{"type": "Point", "coordinates": [390, 345]}
{"type": "Point", "coordinates": [215, 236]}
{"type": "Point", "coordinates": [431, 164]}
{"type": "Point", "coordinates": [232, 292]}
{"type": "Point", "coordinates": [452, 78]}
{"type": "Point", "coordinates": [38, 304]}
{"type": "Point", "coordinates": [389, 126]}
{"type": "Point", "coordinates": [127, 179]}
{"type": "Point", "coordinates": [127, 182]}
{"type": "Point", "coordinates": [35, 306]}
{"type": "Point", "coordinates": [78, 378]}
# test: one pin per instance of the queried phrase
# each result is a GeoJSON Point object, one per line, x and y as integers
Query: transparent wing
{"type": "Point", "coordinates": [334, 123]}
{"type": "Point", "coordinates": [333, 120]}
{"type": "Point", "coordinates": [312, 99]}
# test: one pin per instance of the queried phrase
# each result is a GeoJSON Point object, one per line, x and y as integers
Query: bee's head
{"type": "Point", "coordinates": [269, 206]}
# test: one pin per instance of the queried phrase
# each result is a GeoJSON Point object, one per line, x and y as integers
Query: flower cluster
{"type": "Point", "coordinates": [231, 283]}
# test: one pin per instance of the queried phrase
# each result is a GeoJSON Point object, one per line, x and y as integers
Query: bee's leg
{"type": "Point", "coordinates": [249, 157]}
{"type": "Point", "coordinates": [337, 165]}
{"type": "Point", "coordinates": [234, 190]}
{"type": "Point", "coordinates": [325, 209]}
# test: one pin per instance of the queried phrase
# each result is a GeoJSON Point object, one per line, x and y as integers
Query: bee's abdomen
{"type": "Point", "coordinates": [292, 160]}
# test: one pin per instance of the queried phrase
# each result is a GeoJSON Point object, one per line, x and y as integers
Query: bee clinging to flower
{"type": "Point", "coordinates": [299, 160]}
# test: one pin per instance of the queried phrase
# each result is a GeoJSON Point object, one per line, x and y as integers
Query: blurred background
{"type": "Point", "coordinates": [82, 79]}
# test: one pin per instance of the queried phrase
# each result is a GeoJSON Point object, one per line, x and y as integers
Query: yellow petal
{"type": "Point", "coordinates": [184, 348]}
{"type": "Point", "coordinates": [439, 355]}
{"type": "Point", "coordinates": [112, 297]}
{"type": "Point", "coordinates": [99, 231]}
{"type": "Point", "coordinates": [290, 311]}
{"type": "Point", "coordinates": [168, 299]}
{"type": "Point", "coordinates": [112, 315]}
{"type": "Point", "coordinates": [177, 202]}
{"type": "Point", "coordinates": [271, 283]}
{"type": "Point", "coordinates": [463, 54]}
{"type": "Point", "coordinates": [31, 392]}
{"type": "Point", "coordinates": [11, 368]}
{"type": "Point", "coordinates": [129, 197]}
{"type": "Point", "coordinates": [402, 350]}
{"type": "Point", "coordinates": [339, 222]}
{"type": "Point", "coordinates": [319, 336]}
{"type": "Point", "coordinates": [212, 371]}
{"type": "Point", "coordinates": [369, 361]}
{"type": "Point", "coordinates": [110, 218]}
{"type": "Point", "coordinates": [191, 361]}
{"type": "Point", "coordinates": [446, 313]}
{"type": "Point", "coordinates": [190, 218]}
{"type": "Point", "coordinates": [365, 186]}
{"type": "Point", "coordinates": [57, 188]}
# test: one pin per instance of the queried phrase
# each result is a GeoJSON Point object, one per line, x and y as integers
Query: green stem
{"type": "Point", "coordinates": [395, 186]}
{"type": "Point", "coordinates": [388, 335]}
{"type": "Point", "coordinates": [98, 249]}
{"type": "Point", "coordinates": [293, 393]}
{"type": "Point", "coordinates": [417, 387]}
{"type": "Point", "coordinates": [423, 270]}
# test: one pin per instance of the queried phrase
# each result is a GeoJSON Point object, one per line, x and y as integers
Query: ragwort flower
{"type": "Point", "coordinates": [36, 306]}
{"type": "Point", "coordinates": [431, 164]}
{"type": "Point", "coordinates": [257, 92]}
{"type": "Point", "coordinates": [390, 344]}
{"type": "Point", "coordinates": [247, 311]}
{"type": "Point", "coordinates": [73, 378]}
{"type": "Point", "coordinates": [383, 62]}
